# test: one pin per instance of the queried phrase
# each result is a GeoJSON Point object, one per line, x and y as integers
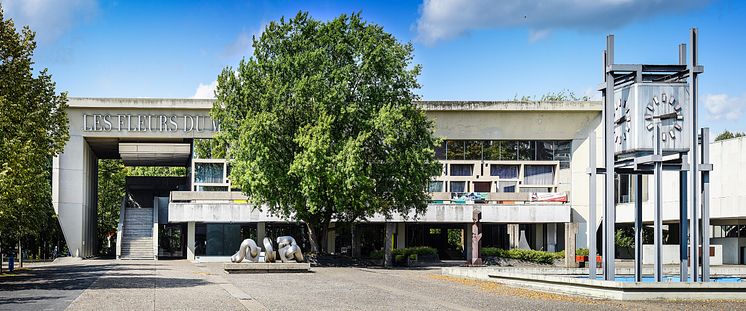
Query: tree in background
{"type": "Point", "coordinates": [111, 183]}
{"type": "Point", "coordinates": [33, 129]}
{"type": "Point", "coordinates": [728, 135]}
{"type": "Point", "coordinates": [321, 124]}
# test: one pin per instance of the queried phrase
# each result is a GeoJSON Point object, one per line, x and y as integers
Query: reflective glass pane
{"type": "Point", "coordinates": [458, 186]}
{"type": "Point", "coordinates": [462, 169]}
{"type": "Point", "coordinates": [509, 150]}
{"type": "Point", "coordinates": [545, 150]}
{"type": "Point", "coordinates": [526, 150]}
{"type": "Point", "coordinates": [473, 150]}
{"type": "Point", "coordinates": [208, 173]}
{"type": "Point", "coordinates": [455, 150]}
{"type": "Point", "coordinates": [491, 150]}
{"type": "Point", "coordinates": [507, 186]}
{"type": "Point", "coordinates": [440, 151]}
{"type": "Point", "coordinates": [436, 186]}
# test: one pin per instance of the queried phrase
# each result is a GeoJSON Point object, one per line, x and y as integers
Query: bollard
{"type": "Point", "coordinates": [11, 263]}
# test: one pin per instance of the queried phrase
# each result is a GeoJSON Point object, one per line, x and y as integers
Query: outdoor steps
{"type": "Point", "coordinates": [137, 238]}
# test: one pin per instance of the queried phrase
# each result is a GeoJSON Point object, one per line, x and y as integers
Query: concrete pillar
{"type": "Point", "coordinates": [74, 195]}
{"type": "Point", "coordinates": [261, 232]}
{"type": "Point", "coordinates": [539, 237]}
{"type": "Point", "coordinates": [191, 231]}
{"type": "Point", "coordinates": [467, 242]}
{"type": "Point", "coordinates": [552, 237]}
{"type": "Point", "coordinates": [331, 238]}
{"type": "Point", "coordinates": [570, 230]}
{"type": "Point", "coordinates": [515, 235]}
{"type": "Point", "coordinates": [401, 235]}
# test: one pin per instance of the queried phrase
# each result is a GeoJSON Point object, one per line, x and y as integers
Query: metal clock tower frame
{"type": "Point", "coordinates": [653, 163]}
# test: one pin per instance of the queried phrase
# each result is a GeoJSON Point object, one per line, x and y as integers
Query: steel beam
{"type": "Point", "coordinates": [693, 178]}
{"type": "Point", "coordinates": [683, 228]}
{"type": "Point", "coordinates": [657, 217]}
{"type": "Point", "coordinates": [609, 208]}
{"type": "Point", "coordinates": [638, 228]}
{"type": "Point", "coordinates": [705, 206]}
{"type": "Point", "coordinates": [592, 206]}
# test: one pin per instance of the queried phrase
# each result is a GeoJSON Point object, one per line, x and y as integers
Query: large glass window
{"type": "Point", "coordinates": [208, 173]}
{"type": "Point", "coordinates": [436, 186]}
{"type": "Point", "coordinates": [462, 169]}
{"type": "Point", "coordinates": [455, 150]}
{"type": "Point", "coordinates": [473, 150]}
{"type": "Point", "coordinates": [526, 150]}
{"type": "Point", "coordinates": [538, 175]}
{"type": "Point", "coordinates": [491, 150]}
{"type": "Point", "coordinates": [545, 150]}
{"type": "Point", "coordinates": [458, 186]}
{"type": "Point", "coordinates": [562, 153]}
{"type": "Point", "coordinates": [509, 150]}
{"type": "Point", "coordinates": [504, 171]}
{"type": "Point", "coordinates": [222, 239]}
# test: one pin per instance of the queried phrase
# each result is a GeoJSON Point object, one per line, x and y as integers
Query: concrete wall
{"type": "Point", "coordinates": [671, 255]}
{"type": "Point", "coordinates": [731, 249]}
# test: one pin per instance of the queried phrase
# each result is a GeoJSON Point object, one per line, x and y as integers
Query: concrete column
{"type": "Point", "coordinates": [331, 238]}
{"type": "Point", "coordinates": [539, 237]}
{"type": "Point", "coordinates": [467, 242]}
{"type": "Point", "coordinates": [261, 232]}
{"type": "Point", "coordinates": [515, 235]}
{"type": "Point", "coordinates": [552, 237]}
{"type": "Point", "coordinates": [570, 230]}
{"type": "Point", "coordinates": [191, 230]}
{"type": "Point", "coordinates": [74, 195]}
{"type": "Point", "coordinates": [401, 235]}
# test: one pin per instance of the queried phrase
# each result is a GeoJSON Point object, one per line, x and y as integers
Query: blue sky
{"type": "Point", "coordinates": [469, 49]}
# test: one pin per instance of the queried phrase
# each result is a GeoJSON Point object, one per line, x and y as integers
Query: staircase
{"type": "Point", "coordinates": [137, 240]}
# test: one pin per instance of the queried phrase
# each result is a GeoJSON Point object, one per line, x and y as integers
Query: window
{"type": "Point", "coordinates": [526, 150]}
{"type": "Point", "coordinates": [208, 173]}
{"type": "Point", "coordinates": [458, 186]}
{"type": "Point", "coordinates": [504, 171]}
{"type": "Point", "coordinates": [435, 186]}
{"type": "Point", "coordinates": [491, 150]}
{"type": "Point", "coordinates": [212, 188]}
{"type": "Point", "coordinates": [538, 175]}
{"type": "Point", "coordinates": [536, 189]}
{"type": "Point", "coordinates": [462, 169]}
{"type": "Point", "coordinates": [545, 150]}
{"type": "Point", "coordinates": [473, 150]}
{"type": "Point", "coordinates": [562, 153]}
{"type": "Point", "coordinates": [626, 188]}
{"type": "Point", "coordinates": [455, 150]}
{"type": "Point", "coordinates": [506, 186]}
{"type": "Point", "coordinates": [440, 151]}
{"type": "Point", "coordinates": [482, 186]}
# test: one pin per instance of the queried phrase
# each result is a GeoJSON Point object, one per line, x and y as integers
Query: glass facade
{"type": "Point", "coordinates": [506, 150]}
{"type": "Point", "coordinates": [211, 173]}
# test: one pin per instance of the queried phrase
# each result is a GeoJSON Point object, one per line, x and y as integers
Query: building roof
{"type": "Point", "coordinates": [427, 105]}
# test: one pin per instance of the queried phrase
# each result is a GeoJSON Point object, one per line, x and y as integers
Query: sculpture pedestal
{"type": "Point", "coordinates": [263, 267]}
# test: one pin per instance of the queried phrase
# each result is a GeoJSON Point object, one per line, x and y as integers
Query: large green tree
{"type": "Point", "coordinates": [728, 135]}
{"type": "Point", "coordinates": [322, 125]}
{"type": "Point", "coordinates": [33, 129]}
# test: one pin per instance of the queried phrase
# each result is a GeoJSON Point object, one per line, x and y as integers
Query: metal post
{"type": "Point", "coordinates": [609, 208]}
{"type": "Point", "coordinates": [705, 205]}
{"type": "Point", "coordinates": [683, 220]}
{"type": "Point", "coordinates": [592, 207]}
{"type": "Point", "coordinates": [657, 220]}
{"type": "Point", "coordinates": [683, 228]}
{"type": "Point", "coordinates": [638, 228]}
{"type": "Point", "coordinates": [693, 182]}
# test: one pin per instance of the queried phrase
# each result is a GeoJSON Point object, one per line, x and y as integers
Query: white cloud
{"type": "Point", "coordinates": [724, 107]}
{"type": "Point", "coordinates": [50, 19]}
{"type": "Point", "coordinates": [206, 91]}
{"type": "Point", "coordinates": [242, 45]}
{"type": "Point", "coordinates": [445, 19]}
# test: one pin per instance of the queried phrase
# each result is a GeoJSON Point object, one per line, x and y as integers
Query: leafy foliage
{"type": "Point", "coordinates": [33, 129]}
{"type": "Point", "coordinates": [562, 95]}
{"type": "Point", "coordinates": [523, 254]}
{"type": "Point", "coordinates": [728, 135]}
{"type": "Point", "coordinates": [111, 183]}
{"type": "Point", "coordinates": [322, 124]}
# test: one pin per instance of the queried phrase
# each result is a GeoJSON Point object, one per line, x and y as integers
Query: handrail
{"type": "Point", "coordinates": [120, 226]}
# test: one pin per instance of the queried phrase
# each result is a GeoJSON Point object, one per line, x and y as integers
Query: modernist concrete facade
{"type": "Point", "coordinates": [537, 193]}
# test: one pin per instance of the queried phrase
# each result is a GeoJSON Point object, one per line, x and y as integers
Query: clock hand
{"type": "Point", "coordinates": [666, 116]}
{"type": "Point", "coordinates": [622, 119]}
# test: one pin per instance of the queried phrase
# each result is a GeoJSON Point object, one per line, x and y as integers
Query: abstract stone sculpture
{"type": "Point", "coordinates": [248, 250]}
{"type": "Point", "coordinates": [269, 252]}
{"type": "Point", "coordinates": [289, 249]}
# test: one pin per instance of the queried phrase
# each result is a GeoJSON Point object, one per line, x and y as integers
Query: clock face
{"type": "Point", "coordinates": [666, 110]}
{"type": "Point", "coordinates": [622, 122]}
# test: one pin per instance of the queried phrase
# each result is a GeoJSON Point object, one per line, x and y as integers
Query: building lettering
{"type": "Point", "coordinates": [148, 123]}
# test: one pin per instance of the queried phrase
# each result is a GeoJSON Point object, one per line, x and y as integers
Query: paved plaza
{"type": "Point", "coordinates": [182, 285]}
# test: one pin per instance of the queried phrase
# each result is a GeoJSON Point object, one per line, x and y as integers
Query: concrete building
{"type": "Point", "coordinates": [523, 164]}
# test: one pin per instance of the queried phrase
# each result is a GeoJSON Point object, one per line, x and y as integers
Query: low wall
{"type": "Point", "coordinates": [671, 254]}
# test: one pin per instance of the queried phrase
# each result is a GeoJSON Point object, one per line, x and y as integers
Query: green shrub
{"type": "Point", "coordinates": [523, 254]}
{"type": "Point", "coordinates": [582, 252]}
{"type": "Point", "coordinates": [418, 250]}
{"type": "Point", "coordinates": [376, 254]}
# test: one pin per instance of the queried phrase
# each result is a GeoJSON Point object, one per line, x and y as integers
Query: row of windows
{"type": "Point", "coordinates": [506, 150]}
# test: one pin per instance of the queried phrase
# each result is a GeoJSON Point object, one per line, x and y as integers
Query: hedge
{"type": "Point", "coordinates": [523, 254]}
{"type": "Point", "coordinates": [401, 254]}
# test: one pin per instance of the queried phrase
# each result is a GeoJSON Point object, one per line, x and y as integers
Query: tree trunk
{"type": "Point", "coordinates": [387, 245]}
{"type": "Point", "coordinates": [20, 254]}
{"type": "Point", "coordinates": [324, 239]}
{"type": "Point", "coordinates": [312, 238]}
